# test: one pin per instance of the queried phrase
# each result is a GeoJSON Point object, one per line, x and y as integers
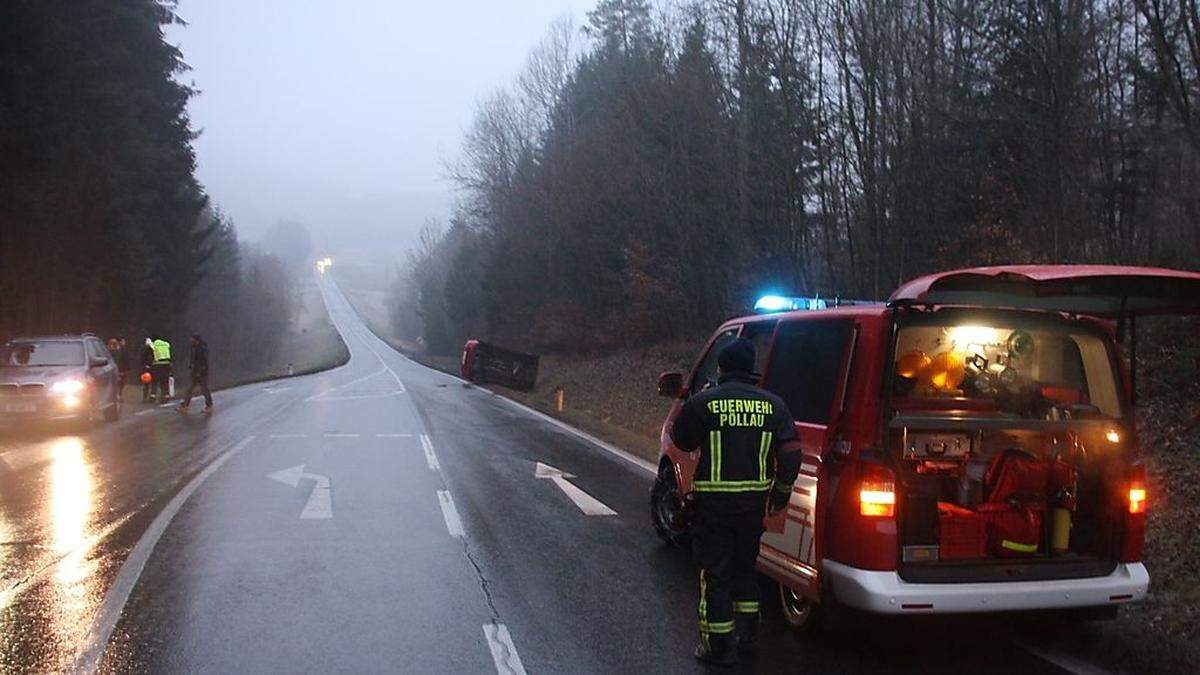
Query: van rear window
{"type": "Point", "coordinates": [1039, 371]}
{"type": "Point", "coordinates": [805, 366]}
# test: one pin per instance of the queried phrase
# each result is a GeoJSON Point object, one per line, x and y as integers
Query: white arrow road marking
{"type": "Point", "coordinates": [430, 458]}
{"type": "Point", "coordinates": [453, 522]}
{"type": "Point", "coordinates": [586, 503]}
{"type": "Point", "coordinates": [319, 504]}
{"type": "Point", "coordinates": [504, 654]}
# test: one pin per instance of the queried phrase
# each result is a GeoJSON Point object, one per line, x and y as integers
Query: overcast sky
{"type": "Point", "coordinates": [341, 114]}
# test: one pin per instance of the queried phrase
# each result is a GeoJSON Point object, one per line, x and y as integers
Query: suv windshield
{"type": "Point", "coordinates": [1029, 368]}
{"type": "Point", "coordinates": [50, 353]}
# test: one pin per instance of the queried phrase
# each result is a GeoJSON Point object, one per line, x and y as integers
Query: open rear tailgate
{"type": "Point", "coordinates": [1092, 290]}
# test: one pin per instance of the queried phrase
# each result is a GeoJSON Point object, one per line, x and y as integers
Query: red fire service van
{"type": "Point", "coordinates": [967, 446]}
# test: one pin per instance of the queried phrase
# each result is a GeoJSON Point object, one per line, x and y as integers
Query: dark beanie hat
{"type": "Point", "coordinates": [737, 356]}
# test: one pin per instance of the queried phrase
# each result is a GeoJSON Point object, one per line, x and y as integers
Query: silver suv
{"type": "Point", "coordinates": [69, 377]}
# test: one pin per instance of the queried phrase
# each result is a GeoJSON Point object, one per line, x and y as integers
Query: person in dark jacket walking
{"type": "Point", "coordinates": [749, 459]}
{"type": "Point", "coordinates": [120, 354]}
{"type": "Point", "coordinates": [199, 372]}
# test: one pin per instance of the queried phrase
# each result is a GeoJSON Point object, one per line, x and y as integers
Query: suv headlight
{"type": "Point", "coordinates": [67, 387]}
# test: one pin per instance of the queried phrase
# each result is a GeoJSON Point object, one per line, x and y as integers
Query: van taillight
{"type": "Point", "coordinates": [1136, 496]}
{"type": "Point", "coordinates": [877, 492]}
{"type": "Point", "coordinates": [1137, 499]}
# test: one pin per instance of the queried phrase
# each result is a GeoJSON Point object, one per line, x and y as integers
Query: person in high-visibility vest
{"type": "Point", "coordinates": [748, 460]}
{"type": "Point", "coordinates": [161, 368]}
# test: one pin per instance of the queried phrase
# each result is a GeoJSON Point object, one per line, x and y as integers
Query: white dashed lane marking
{"type": "Point", "coordinates": [504, 653]}
{"type": "Point", "coordinates": [430, 458]}
{"type": "Point", "coordinates": [453, 522]}
{"type": "Point", "coordinates": [342, 435]}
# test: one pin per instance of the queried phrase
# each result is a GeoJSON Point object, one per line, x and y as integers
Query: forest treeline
{"type": "Point", "coordinates": [103, 225]}
{"type": "Point", "coordinates": [650, 173]}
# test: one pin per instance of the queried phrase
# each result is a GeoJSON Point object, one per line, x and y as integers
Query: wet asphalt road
{"type": "Point", "coordinates": [379, 517]}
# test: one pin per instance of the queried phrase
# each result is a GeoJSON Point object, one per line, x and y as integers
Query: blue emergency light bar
{"type": "Point", "coordinates": [768, 304]}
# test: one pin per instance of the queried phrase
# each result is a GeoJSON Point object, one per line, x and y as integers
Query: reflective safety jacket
{"type": "Point", "coordinates": [744, 435]}
{"type": "Point", "coordinates": [162, 351]}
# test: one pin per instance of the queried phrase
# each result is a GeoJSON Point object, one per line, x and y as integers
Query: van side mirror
{"type": "Point", "coordinates": [98, 362]}
{"type": "Point", "coordinates": [670, 385]}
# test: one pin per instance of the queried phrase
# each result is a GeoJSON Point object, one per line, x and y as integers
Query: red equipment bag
{"type": "Point", "coordinates": [1013, 531]}
{"type": "Point", "coordinates": [1015, 476]}
{"type": "Point", "coordinates": [962, 533]}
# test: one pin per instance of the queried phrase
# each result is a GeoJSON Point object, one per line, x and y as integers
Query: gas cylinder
{"type": "Point", "coordinates": [1060, 531]}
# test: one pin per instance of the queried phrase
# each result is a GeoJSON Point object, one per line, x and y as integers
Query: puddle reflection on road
{"type": "Point", "coordinates": [71, 508]}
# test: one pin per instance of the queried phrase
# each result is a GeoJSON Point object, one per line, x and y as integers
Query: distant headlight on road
{"type": "Point", "coordinates": [67, 387]}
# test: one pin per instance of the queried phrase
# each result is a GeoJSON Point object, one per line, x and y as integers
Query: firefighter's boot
{"type": "Point", "coordinates": [746, 629]}
{"type": "Point", "coordinates": [719, 651]}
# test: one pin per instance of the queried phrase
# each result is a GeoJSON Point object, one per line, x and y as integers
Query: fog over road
{"type": "Point", "coordinates": [379, 517]}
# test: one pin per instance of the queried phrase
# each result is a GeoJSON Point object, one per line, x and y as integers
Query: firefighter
{"type": "Point", "coordinates": [161, 368]}
{"type": "Point", "coordinates": [199, 371]}
{"type": "Point", "coordinates": [748, 461]}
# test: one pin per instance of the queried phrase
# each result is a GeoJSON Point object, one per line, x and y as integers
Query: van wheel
{"type": "Point", "coordinates": [803, 616]}
{"type": "Point", "coordinates": [665, 507]}
{"type": "Point", "coordinates": [113, 412]}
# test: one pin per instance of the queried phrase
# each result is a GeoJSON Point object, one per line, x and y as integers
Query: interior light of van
{"type": "Point", "coordinates": [877, 498]}
{"type": "Point", "coordinates": [1137, 499]}
{"type": "Point", "coordinates": [965, 336]}
{"type": "Point", "coordinates": [1113, 436]}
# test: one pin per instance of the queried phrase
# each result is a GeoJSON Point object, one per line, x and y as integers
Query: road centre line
{"type": "Point", "coordinates": [289, 435]}
{"type": "Point", "coordinates": [504, 653]}
{"type": "Point", "coordinates": [342, 435]}
{"type": "Point", "coordinates": [393, 435]}
{"type": "Point", "coordinates": [96, 640]}
{"type": "Point", "coordinates": [367, 342]}
{"type": "Point", "coordinates": [430, 458]}
{"type": "Point", "coordinates": [450, 514]}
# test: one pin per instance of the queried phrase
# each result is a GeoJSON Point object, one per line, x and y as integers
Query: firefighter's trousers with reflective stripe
{"type": "Point", "coordinates": [725, 546]}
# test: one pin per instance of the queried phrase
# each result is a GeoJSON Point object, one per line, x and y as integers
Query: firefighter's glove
{"type": "Point", "coordinates": [687, 511]}
{"type": "Point", "coordinates": [780, 495]}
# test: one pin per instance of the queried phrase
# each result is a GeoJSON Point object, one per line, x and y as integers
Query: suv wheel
{"type": "Point", "coordinates": [801, 614]}
{"type": "Point", "coordinates": [113, 412]}
{"type": "Point", "coordinates": [665, 507]}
